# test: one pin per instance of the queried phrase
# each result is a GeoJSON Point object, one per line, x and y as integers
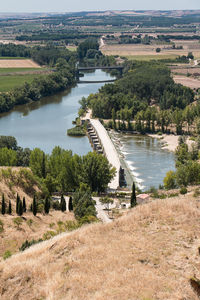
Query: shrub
{"type": "Point", "coordinates": [1, 226]}
{"type": "Point", "coordinates": [28, 244]}
{"type": "Point", "coordinates": [183, 190]}
{"type": "Point", "coordinates": [56, 205]}
{"type": "Point", "coordinates": [170, 180]}
{"type": "Point", "coordinates": [196, 192]}
{"type": "Point", "coordinates": [71, 225]}
{"type": "Point", "coordinates": [7, 254]}
{"type": "Point", "coordinates": [48, 235]}
{"type": "Point", "coordinates": [18, 221]}
{"type": "Point", "coordinates": [29, 222]}
{"type": "Point", "coordinates": [87, 220]}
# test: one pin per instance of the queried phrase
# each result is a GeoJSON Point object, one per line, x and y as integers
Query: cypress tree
{"type": "Point", "coordinates": [63, 203]}
{"type": "Point", "coordinates": [17, 203]}
{"type": "Point", "coordinates": [43, 166]}
{"type": "Point", "coordinates": [3, 205]}
{"type": "Point", "coordinates": [24, 204]}
{"type": "Point", "coordinates": [20, 208]}
{"type": "Point", "coordinates": [46, 205]}
{"type": "Point", "coordinates": [34, 206]}
{"type": "Point", "coordinates": [10, 208]}
{"type": "Point", "coordinates": [70, 206]}
{"type": "Point", "coordinates": [31, 207]}
{"type": "Point", "coordinates": [133, 196]}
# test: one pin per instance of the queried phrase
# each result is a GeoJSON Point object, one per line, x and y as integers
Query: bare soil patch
{"type": "Point", "coordinates": [187, 81]}
{"type": "Point", "coordinates": [18, 63]}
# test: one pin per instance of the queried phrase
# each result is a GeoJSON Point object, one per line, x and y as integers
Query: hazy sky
{"type": "Point", "coordinates": [85, 5]}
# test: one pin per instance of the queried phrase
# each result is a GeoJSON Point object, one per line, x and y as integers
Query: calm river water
{"type": "Point", "coordinates": [44, 124]}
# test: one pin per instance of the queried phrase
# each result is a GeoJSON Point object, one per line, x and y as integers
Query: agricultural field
{"type": "Point", "coordinates": [8, 82]}
{"type": "Point", "coordinates": [148, 52]}
{"type": "Point", "coordinates": [187, 81]}
{"type": "Point", "coordinates": [18, 63]}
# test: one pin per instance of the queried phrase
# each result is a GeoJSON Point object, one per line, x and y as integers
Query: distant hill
{"type": "Point", "coordinates": [152, 253]}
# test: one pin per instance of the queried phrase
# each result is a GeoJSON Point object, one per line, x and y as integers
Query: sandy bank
{"type": "Point", "coordinates": [170, 141]}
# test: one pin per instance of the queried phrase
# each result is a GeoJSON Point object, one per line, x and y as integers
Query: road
{"type": "Point", "coordinates": [101, 213]}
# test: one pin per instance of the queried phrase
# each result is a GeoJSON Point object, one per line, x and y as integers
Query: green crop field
{"type": "Point", "coordinates": [8, 57]}
{"type": "Point", "coordinates": [7, 83]}
{"type": "Point", "coordinates": [16, 70]}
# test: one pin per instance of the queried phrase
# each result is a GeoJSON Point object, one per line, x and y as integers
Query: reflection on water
{"type": "Point", "coordinates": [145, 158]}
{"type": "Point", "coordinates": [44, 123]}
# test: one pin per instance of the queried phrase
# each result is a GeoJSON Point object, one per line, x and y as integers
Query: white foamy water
{"type": "Point", "coordinates": [145, 159]}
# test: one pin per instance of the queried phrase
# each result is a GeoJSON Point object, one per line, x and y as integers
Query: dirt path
{"type": "Point", "coordinates": [101, 214]}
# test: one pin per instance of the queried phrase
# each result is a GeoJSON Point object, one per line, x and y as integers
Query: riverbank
{"type": "Point", "coordinates": [170, 141]}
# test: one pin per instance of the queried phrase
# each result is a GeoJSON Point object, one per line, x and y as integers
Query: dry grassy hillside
{"type": "Point", "coordinates": [149, 254]}
{"type": "Point", "coordinates": [17, 180]}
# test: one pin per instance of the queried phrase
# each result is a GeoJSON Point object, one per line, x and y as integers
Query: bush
{"type": "Point", "coordinates": [170, 180]}
{"type": "Point", "coordinates": [56, 205]}
{"type": "Point", "coordinates": [28, 244]}
{"type": "Point", "coordinates": [7, 254]}
{"type": "Point", "coordinates": [48, 235]}
{"type": "Point", "coordinates": [87, 220]}
{"type": "Point", "coordinates": [1, 226]}
{"type": "Point", "coordinates": [76, 131]}
{"type": "Point", "coordinates": [183, 190]}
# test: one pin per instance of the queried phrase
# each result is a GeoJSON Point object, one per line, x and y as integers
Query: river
{"type": "Point", "coordinates": [44, 124]}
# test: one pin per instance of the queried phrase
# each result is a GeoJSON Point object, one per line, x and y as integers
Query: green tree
{"type": "Point", "coordinates": [70, 205]}
{"type": "Point", "coordinates": [17, 203]}
{"type": "Point", "coordinates": [24, 204]}
{"type": "Point", "coordinates": [34, 206]}
{"type": "Point", "coordinates": [43, 165]}
{"type": "Point", "coordinates": [84, 205]}
{"type": "Point", "coordinates": [8, 157]}
{"type": "Point", "coordinates": [63, 203]}
{"type": "Point", "coordinates": [9, 208]}
{"type": "Point", "coordinates": [170, 180]}
{"type": "Point", "coordinates": [133, 196]}
{"type": "Point", "coordinates": [20, 208]}
{"type": "Point", "coordinates": [46, 205]}
{"type": "Point", "coordinates": [3, 205]}
{"type": "Point", "coordinates": [96, 171]}
{"type": "Point", "coordinates": [36, 162]}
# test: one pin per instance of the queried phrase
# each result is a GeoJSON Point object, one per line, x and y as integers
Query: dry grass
{"type": "Point", "coordinates": [131, 50]}
{"type": "Point", "coordinates": [149, 254]}
{"type": "Point", "coordinates": [18, 63]}
{"type": "Point", "coordinates": [31, 228]}
{"type": "Point", "coordinates": [10, 185]}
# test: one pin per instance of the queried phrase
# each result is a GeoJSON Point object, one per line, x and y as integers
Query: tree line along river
{"type": "Point", "coordinates": [44, 124]}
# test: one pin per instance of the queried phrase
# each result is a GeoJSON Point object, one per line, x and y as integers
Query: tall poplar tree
{"type": "Point", "coordinates": [34, 206]}
{"type": "Point", "coordinates": [24, 204]}
{"type": "Point", "coordinates": [10, 208]}
{"type": "Point", "coordinates": [46, 205]}
{"type": "Point", "coordinates": [63, 203]}
{"type": "Point", "coordinates": [3, 205]}
{"type": "Point", "coordinates": [17, 203]}
{"type": "Point", "coordinates": [133, 196]}
{"type": "Point", "coordinates": [20, 208]}
{"type": "Point", "coordinates": [70, 206]}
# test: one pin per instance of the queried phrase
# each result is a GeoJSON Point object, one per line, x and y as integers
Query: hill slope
{"type": "Point", "coordinates": [149, 254]}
